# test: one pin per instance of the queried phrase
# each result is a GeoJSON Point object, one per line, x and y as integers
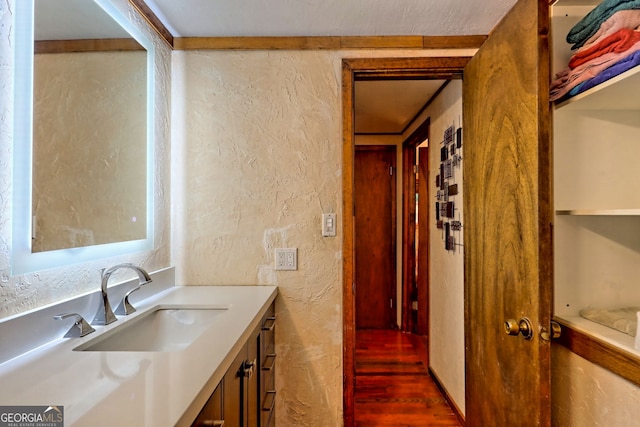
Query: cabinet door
{"type": "Point", "coordinates": [233, 391]}
{"type": "Point", "coordinates": [211, 414]}
{"type": "Point", "coordinates": [253, 380]}
{"type": "Point", "coordinates": [507, 229]}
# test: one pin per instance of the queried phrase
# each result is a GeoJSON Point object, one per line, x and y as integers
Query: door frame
{"type": "Point", "coordinates": [409, 243]}
{"type": "Point", "coordinates": [354, 69]}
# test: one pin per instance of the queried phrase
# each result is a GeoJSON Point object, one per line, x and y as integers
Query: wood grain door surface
{"type": "Point", "coordinates": [507, 237]}
{"type": "Point", "coordinates": [374, 236]}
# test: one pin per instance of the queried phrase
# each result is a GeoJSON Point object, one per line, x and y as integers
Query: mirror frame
{"type": "Point", "coordinates": [22, 259]}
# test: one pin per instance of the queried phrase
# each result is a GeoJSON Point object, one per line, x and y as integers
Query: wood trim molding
{"type": "Point", "coordinates": [328, 42]}
{"type": "Point", "coordinates": [447, 396]}
{"type": "Point", "coordinates": [408, 68]}
{"type": "Point", "coordinates": [348, 249]}
{"type": "Point", "coordinates": [421, 133]}
{"type": "Point", "coordinates": [408, 236]}
{"type": "Point", "coordinates": [236, 43]}
{"type": "Point", "coordinates": [409, 242]}
{"type": "Point", "coordinates": [86, 45]}
{"type": "Point", "coordinates": [153, 20]}
{"type": "Point", "coordinates": [600, 353]}
{"type": "Point", "coordinates": [453, 42]}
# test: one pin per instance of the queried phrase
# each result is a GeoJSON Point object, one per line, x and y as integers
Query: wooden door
{"type": "Point", "coordinates": [375, 258]}
{"type": "Point", "coordinates": [507, 221]}
{"type": "Point", "coordinates": [422, 258]}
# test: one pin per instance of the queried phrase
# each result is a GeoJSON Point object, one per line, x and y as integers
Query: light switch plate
{"type": "Point", "coordinates": [286, 259]}
{"type": "Point", "coordinates": [329, 225]}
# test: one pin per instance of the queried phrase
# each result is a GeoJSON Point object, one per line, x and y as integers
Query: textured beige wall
{"type": "Point", "coordinates": [29, 291]}
{"type": "Point", "coordinates": [257, 140]}
{"type": "Point", "coordinates": [446, 269]}
{"type": "Point", "coordinates": [584, 394]}
{"type": "Point", "coordinates": [91, 123]}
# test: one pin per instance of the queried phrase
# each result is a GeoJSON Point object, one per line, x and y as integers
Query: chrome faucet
{"type": "Point", "coordinates": [105, 315]}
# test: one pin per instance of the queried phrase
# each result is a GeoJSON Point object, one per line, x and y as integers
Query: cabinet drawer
{"type": "Point", "coordinates": [268, 362]}
{"type": "Point", "coordinates": [268, 331]}
{"type": "Point", "coordinates": [267, 337]}
{"type": "Point", "coordinates": [267, 382]}
{"type": "Point", "coordinates": [268, 408]}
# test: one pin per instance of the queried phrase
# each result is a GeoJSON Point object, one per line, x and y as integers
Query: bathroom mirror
{"type": "Point", "coordinates": [83, 158]}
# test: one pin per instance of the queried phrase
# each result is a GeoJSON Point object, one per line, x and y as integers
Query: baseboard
{"type": "Point", "coordinates": [445, 393]}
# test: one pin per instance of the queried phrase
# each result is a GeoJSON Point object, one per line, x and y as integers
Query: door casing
{"type": "Point", "coordinates": [410, 262]}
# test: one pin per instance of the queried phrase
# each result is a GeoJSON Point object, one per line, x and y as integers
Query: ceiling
{"type": "Point", "coordinates": [73, 19]}
{"type": "Point", "coordinates": [389, 106]}
{"type": "Point", "coordinates": [238, 18]}
{"type": "Point", "coordinates": [381, 106]}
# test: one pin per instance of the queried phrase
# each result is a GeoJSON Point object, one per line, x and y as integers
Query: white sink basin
{"type": "Point", "coordinates": [159, 329]}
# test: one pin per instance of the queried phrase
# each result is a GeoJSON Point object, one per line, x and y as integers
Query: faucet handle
{"type": "Point", "coordinates": [79, 329]}
{"type": "Point", "coordinates": [125, 306]}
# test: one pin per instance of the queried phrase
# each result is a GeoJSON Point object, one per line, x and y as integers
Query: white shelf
{"type": "Point", "coordinates": [576, 2]}
{"type": "Point", "coordinates": [599, 212]}
{"type": "Point", "coordinates": [603, 333]}
{"type": "Point", "coordinates": [617, 93]}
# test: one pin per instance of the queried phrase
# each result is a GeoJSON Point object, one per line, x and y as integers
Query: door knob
{"type": "Point", "coordinates": [517, 327]}
{"type": "Point", "coordinates": [554, 331]}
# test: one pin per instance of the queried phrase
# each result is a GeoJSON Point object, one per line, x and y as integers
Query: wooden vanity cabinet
{"type": "Point", "coordinates": [246, 395]}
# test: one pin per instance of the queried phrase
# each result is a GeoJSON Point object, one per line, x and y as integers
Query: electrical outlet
{"type": "Point", "coordinates": [286, 259]}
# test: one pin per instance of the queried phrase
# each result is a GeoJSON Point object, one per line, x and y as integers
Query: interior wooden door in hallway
{"type": "Point", "coordinates": [375, 249]}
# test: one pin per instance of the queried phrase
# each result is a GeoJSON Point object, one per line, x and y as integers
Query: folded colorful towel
{"type": "Point", "coordinates": [619, 67]}
{"type": "Point", "coordinates": [619, 41]}
{"type": "Point", "coordinates": [622, 319]}
{"type": "Point", "coordinates": [619, 20]}
{"type": "Point", "coordinates": [567, 79]}
{"type": "Point", "coordinates": [589, 25]}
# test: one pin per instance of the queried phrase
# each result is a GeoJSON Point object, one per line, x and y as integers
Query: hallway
{"type": "Point", "coordinates": [393, 386]}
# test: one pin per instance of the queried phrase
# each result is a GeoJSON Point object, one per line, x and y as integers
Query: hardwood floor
{"type": "Point", "coordinates": [393, 386]}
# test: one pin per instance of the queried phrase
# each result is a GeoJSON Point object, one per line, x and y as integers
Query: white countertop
{"type": "Point", "coordinates": [137, 388]}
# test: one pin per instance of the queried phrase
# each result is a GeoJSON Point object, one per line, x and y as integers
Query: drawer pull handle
{"type": "Point", "coordinates": [269, 324]}
{"type": "Point", "coordinates": [269, 401]}
{"type": "Point", "coordinates": [269, 358]}
{"type": "Point", "coordinates": [212, 423]}
{"type": "Point", "coordinates": [248, 368]}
